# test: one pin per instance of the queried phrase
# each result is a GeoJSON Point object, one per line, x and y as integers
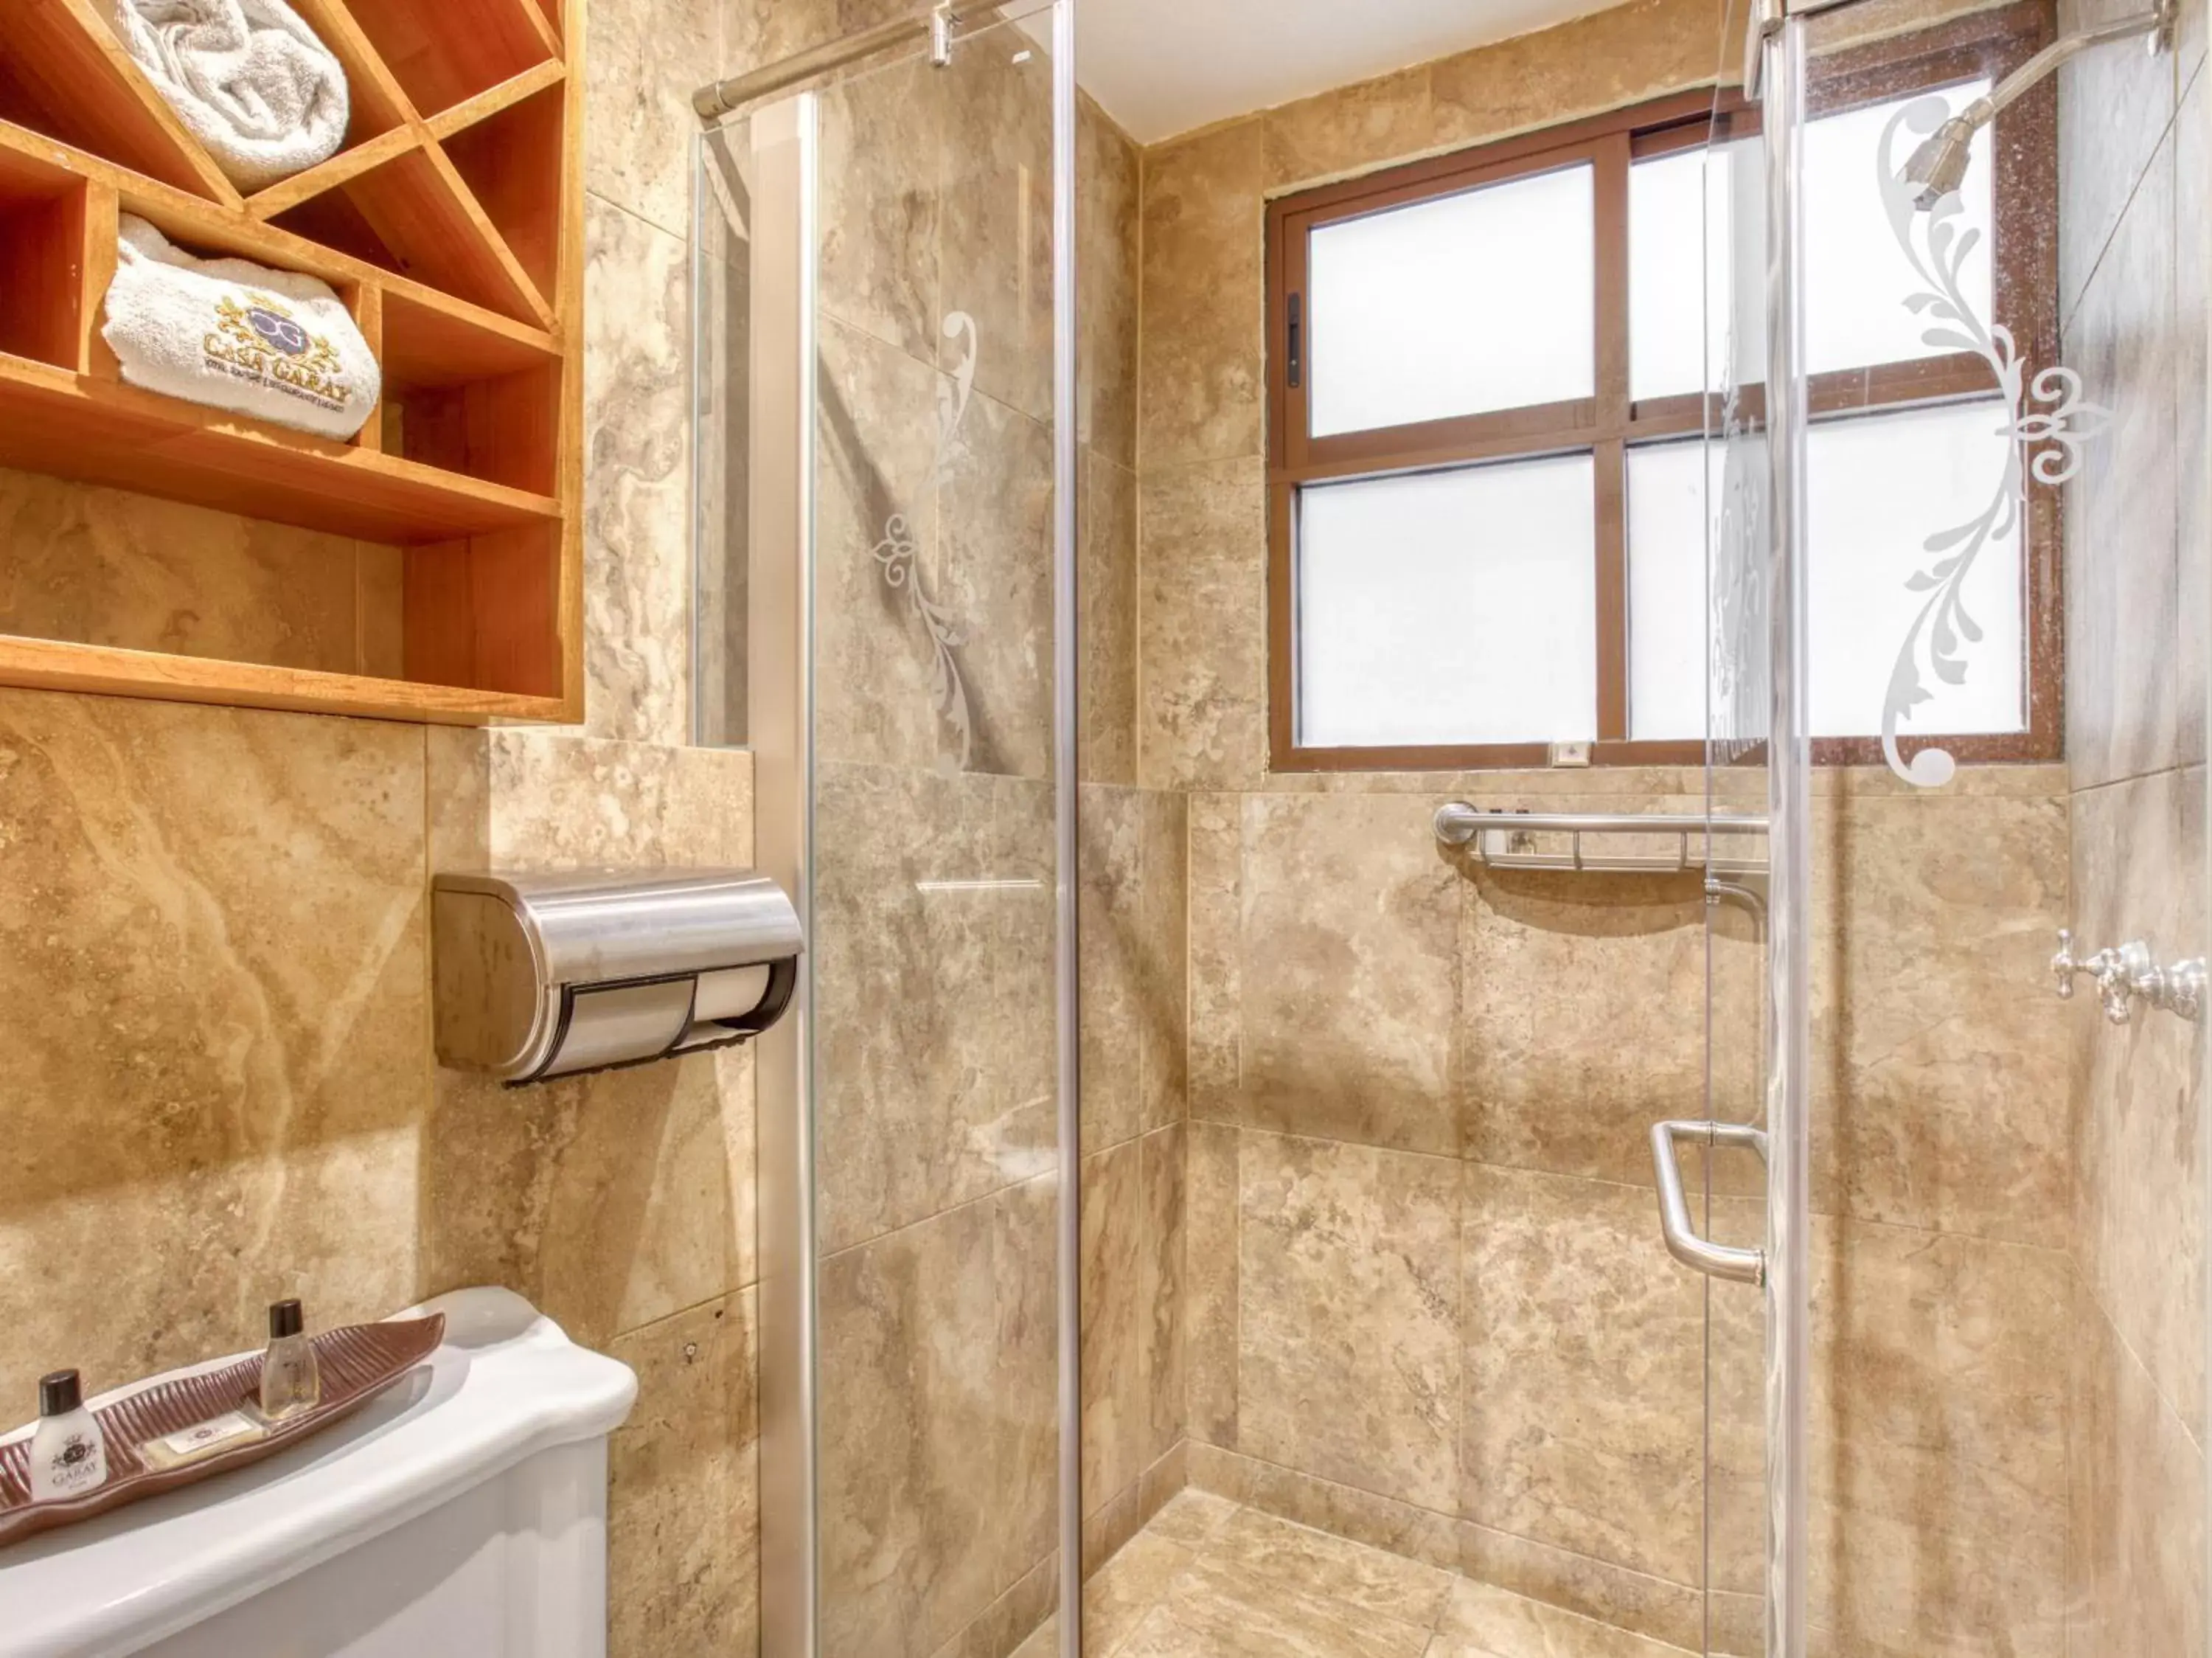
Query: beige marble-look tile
{"type": "Point", "coordinates": [882, 696]}
{"type": "Point", "coordinates": [1619, 56]}
{"type": "Point", "coordinates": [218, 1051]}
{"type": "Point", "coordinates": [637, 521]}
{"type": "Point", "coordinates": [1219, 1610]}
{"type": "Point", "coordinates": [1350, 972]}
{"type": "Point", "coordinates": [1937, 1442]}
{"type": "Point", "coordinates": [1211, 1219]}
{"type": "Point", "coordinates": [883, 139]}
{"type": "Point", "coordinates": [2135, 1575]}
{"type": "Point", "coordinates": [1483, 1621]}
{"type": "Point", "coordinates": [1108, 228]}
{"type": "Point", "coordinates": [993, 572]}
{"type": "Point", "coordinates": [1216, 847]}
{"type": "Point", "coordinates": [1939, 1060]}
{"type": "Point", "coordinates": [104, 567]}
{"type": "Point", "coordinates": [2139, 856]}
{"type": "Point", "coordinates": [2192, 395]}
{"type": "Point", "coordinates": [646, 62]}
{"type": "Point", "coordinates": [2122, 627]}
{"type": "Point", "coordinates": [1117, 1322]}
{"type": "Point", "coordinates": [1110, 849]}
{"type": "Point", "coordinates": [1169, 1475]}
{"type": "Point", "coordinates": [1192, 1517]}
{"type": "Point", "coordinates": [1350, 130]}
{"type": "Point", "coordinates": [1581, 1022]}
{"type": "Point", "coordinates": [1108, 597]}
{"type": "Point", "coordinates": [1202, 638]}
{"type": "Point", "coordinates": [1202, 384]}
{"type": "Point", "coordinates": [994, 224]}
{"type": "Point", "coordinates": [1264, 1549]}
{"type": "Point", "coordinates": [1403, 1529]}
{"type": "Point", "coordinates": [1584, 1406]}
{"type": "Point", "coordinates": [683, 1488]}
{"type": "Point", "coordinates": [939, 1423]}
{"type": "Point", "coordinates": [932, 942]}
{"type": "Point", "coordinates": [2113, 108]}
{"type": "Point", "coordinates": [1125, 1588]}
{"type": "Point", "coordinates": [1166, 1161]}
{"type": "Point", "coordinates": [1164, 977]}
{"type": "Point", "coordinates": [1019, 1622]}
{"type": "Point", "coordinates": [1669, 1613]}
{"type": "Point", "coordinates": [1349, 1358]}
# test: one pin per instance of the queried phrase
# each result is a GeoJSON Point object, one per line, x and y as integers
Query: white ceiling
{"type": "Point", "coordinates": [1163, 67]}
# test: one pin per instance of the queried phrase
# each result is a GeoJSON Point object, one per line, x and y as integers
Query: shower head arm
{"type": "Point", "coordinates": [2158, 22]}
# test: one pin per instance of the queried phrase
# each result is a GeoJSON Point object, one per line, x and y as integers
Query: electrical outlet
{"type": "Point", "coordinates": [1570, 753]}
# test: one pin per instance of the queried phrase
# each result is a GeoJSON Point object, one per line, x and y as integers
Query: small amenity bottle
{"type": "Point", "coordinates": [69, 1455]}
{"type": "Point", "coordinates": [289, 1381]}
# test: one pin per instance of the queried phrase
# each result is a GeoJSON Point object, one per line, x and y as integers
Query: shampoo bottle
{"type": "Point", "coordinates": [289, 1381]}
{"type": "Point", "coordinates": [68, 1455]}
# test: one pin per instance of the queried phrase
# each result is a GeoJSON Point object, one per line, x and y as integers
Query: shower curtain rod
{"type": "Point", "coordinates": [937, 24]}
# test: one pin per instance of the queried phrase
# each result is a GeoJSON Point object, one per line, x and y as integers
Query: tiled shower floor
{"type": "Point", "coordinates": [1208, 1579]}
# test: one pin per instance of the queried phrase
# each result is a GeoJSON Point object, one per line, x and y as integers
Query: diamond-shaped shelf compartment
{"type": "Point", "coordinates": [450, 224]}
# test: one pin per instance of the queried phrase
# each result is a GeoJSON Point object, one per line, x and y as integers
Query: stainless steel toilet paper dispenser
{"type": "Point", "coordinates": [539, 976]}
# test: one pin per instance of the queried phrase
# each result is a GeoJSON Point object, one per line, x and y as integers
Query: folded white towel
{"type": "Point", "coordinates": [247, 77]}
{"type": "Point", "coordinates": [268, 343]}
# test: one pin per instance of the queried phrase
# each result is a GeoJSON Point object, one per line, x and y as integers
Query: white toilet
{"type": "Point", "coordinates": [462, 1514]}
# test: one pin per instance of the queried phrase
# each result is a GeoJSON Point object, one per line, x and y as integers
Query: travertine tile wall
{"type": "Point", "coordinates": [1427, 1301]}
{"type": "Point", "coordinates": [2133, 260]}
{"type": "Point", "coordinates": [217, 1072]}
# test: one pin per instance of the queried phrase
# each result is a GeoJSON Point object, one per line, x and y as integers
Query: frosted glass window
{"type": "Point", "coordinates": [1668, 486]}
{"type": "Point", "coordinates": [1858, 278]}
{"type": "Point", "coordinates": [1449, 607]}
{"type": "Point", "coordinates": [1678, 273]}
{"type": "Point", "coordinates": [1878, 488]}
{"type": "Point", "coordinates": [1481, 301]}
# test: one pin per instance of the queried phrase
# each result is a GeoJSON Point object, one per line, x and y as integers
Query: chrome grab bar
{"type": "Point", "coordinates": [1507, 840]}
{"type": "Point", "coordinates": [1683, 1243]}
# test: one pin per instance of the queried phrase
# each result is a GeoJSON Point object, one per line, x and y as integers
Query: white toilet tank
{"type": "Point", "coordinates": [461, 1514]}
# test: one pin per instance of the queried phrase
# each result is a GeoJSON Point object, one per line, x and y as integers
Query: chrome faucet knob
{"type": "Point", "coordinates": [2064, 967]}
{"type": "Point", "coordinates": [2115, 983]}
{"type": "Point", "coordinates": [2185, 988]}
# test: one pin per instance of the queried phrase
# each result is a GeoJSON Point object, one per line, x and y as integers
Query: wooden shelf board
{"type": "Point", "coordinates": [103, 670]}
{"type": "Point", "coordinates": [329, 175]}
{"type": "Point", "coordinates": [74, 426]}
{"type": "Point", "coordinates": [488, 102]}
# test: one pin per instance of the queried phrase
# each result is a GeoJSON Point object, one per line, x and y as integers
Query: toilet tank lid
{"type": "Point", "coordinates": [504, 1384]}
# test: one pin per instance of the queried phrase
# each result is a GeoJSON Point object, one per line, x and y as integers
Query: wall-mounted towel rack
{"type": "Point", "coordinates": [1618, 843]}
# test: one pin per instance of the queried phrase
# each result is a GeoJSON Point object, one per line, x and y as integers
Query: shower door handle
{"type": "Point", "coordinates": [1683, 1242]}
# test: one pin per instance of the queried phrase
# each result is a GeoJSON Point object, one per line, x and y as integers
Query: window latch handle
{"type": "Point", "coordinates": [1294, 357]}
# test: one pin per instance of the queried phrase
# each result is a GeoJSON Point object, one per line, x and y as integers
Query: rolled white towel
{"type": "Point", "coordinates": [270, 343]}
{"type": "Point", "coordinates": [247, 77]}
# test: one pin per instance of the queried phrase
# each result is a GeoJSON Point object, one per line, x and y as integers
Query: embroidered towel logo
{"type": "Point", "coordinates": [260, 342]}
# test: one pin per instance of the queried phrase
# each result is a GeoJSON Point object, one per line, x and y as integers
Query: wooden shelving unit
{"type": "Point", "coordinates": [451, 222]}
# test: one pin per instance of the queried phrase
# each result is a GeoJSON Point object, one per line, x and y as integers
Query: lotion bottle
{"type": "Point", "coordinates": [69, 1454]}
{"type": "Point", "coordinates": [289, 1381]}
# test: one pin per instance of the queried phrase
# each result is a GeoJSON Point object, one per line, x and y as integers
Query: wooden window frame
{"type": "Point", "coordinates": [1606, 424]}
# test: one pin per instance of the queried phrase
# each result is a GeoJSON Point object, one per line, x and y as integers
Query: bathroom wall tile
{"type": "Point", "coordinates": [1348, 131]}
{"type": "Point", "coordinates": [1109, 205]}
{"type": "Point", "coordinates": [1166, 1163]}
{"type": "Point", "coordinates": [2114, 106]}
{"type": "Point", "coordinates": [1404, 1529]}
{"type": "Point", "coordinates": [2139, 873]}
{"type": "Point", "coordinates": [1202, 391]}
{"type": "Point", "coordinates": [992, 572]}
{"type": "Point", "coordinates": [1263, 1548]}
{"type": "Point", "coordinates": [1581, 1022]}
{"type": "Point", "coordinates": [1349, 1358]}
{"type": "Point", "coordinates": [1630, 1601]}
{"type": "Point", "coordinates": [758, 33]}
{"type": "Point", "coordinates": [1108, 597]}
{"type": "Point", "coordinates": [1110, 841]}
{"type": "Point", "coordinates": [1194, 1517]}
{"type": "Point", "coordinates": [645, 62]}
{"type": "Point", "coordinates": [1585, 1392]}
{"type": "Point", "coordinates": [883, 139]}
{"type": "Point", "coordinates": [1202, 625]}
{"type": "Point", "coordinates": [939, 1423]}
{"type": "Point", "coordinates": [1483, 1621]}
{"type": "Point", "coordinates": [1116, 1323]}
{"type": "Point", "coordinates": [994, 224]}
{"type": "Point", "coordinates": [1938, 1057]}
{"type": "Point", "coordinates": [1619, 56]}
{"type": "Point", "coordinates": [1938, 1442]}
{"type": "Point", "coordinates": [637, 525]}
{"type": "Point", "coordinates": [683, 1488]}
{"type": "Point", "coordinates": [1168, 1477]}
{"type": "Point", "coordinates": [2134, 1570]}
{"type": "Point", "coordinates": [1222, 1609]}
{"type": "Point", "coordinates": [2192, 418]}
{"type": "Point", "coordinates": [933, 940]}
{"type": "Point", "coordinates": [216, 955]}
{"type": "Point", "coordinates": [1216, 955]}
{"type": "Point", "coordinates": [882, 697]}
{"type": "Point", "coordinates": [107, 568]}
{"type": "Point", "coordinates": [1163, 979]}
{"type": "Point", "coordinates": [1213, 1220]}
{"type": "Point", "coordinates": [1350, 974]}
{"type": "Point", "coordinates": [1019, 1622]}
{"type": "Point", "coordinates": [2122, 638]}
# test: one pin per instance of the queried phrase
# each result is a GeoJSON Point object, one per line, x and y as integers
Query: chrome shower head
{"type": "Point", "coordinates": [1939, 166]}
